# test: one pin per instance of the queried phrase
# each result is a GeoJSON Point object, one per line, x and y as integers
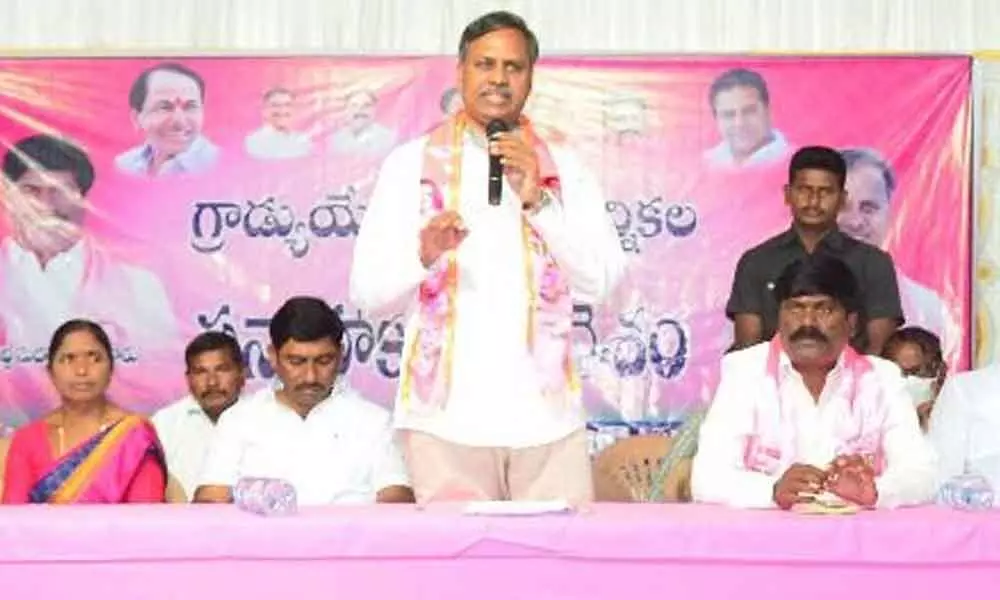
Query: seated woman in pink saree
{"type": "Point", "coordinates": [88, 450]}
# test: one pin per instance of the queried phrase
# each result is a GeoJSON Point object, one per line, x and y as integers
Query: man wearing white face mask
{"type": "Point", "coordinates": [918, 354]}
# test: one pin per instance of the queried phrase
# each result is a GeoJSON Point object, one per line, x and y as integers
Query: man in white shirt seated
{"type": "Point", "coordinates": [314, 432]}
{"type": "Point", "coordinates": [804, 416]}
{"type": "Point", "coordinates": [917, 352]}
{"type": "Point", "coordinates": [215, 377]}
{"type": "Point", "coordinates": [489, 398]}
{"type": "Point", "coordinates": [965, 425]}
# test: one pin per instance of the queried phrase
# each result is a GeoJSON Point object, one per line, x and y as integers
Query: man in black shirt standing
{"type": "Point", "coordinates": [815, 194]}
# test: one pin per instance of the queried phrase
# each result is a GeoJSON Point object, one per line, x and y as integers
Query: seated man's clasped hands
{"type": "Point", "coordinates": [852, 478]}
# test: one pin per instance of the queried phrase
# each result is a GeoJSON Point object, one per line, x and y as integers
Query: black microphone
{"type": "Point", "coordinates": [496, 169]}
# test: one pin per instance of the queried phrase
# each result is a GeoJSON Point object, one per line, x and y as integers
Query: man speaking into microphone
{"type": "Point", "coordinates": [486, 272]}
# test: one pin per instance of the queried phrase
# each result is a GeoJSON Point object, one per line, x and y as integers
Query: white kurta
{"type": "Point", "coordinates": [719, 473]}
{"type": "Point", "coordinates": [342, 452]}
{"type": "Point", "coordinates": [185, 432]}
{"type": "Point", "coordinates": [965, 425]}
{"type": "Point", "coordinates": [495, 397]}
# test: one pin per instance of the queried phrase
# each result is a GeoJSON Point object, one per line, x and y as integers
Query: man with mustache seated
{"type": "Point", "coordinates": [313, 431]}
{"type": "Point", "coordinates": [215, 378]}
{"type": "Point", "coordinates": [805, 416]}
{"type": "Point", "coordinates": [815, 193]}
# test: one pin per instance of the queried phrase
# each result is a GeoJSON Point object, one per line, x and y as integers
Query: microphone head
{"type": "Point", "coordinates": [496, 126]}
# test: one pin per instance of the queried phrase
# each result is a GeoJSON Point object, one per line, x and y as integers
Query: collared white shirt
{"type": "Point", "coordinates": [965, 425]}
{"type": "Point", "coordinates": [721, 155]}
{"type": "Point", "coordinates": [495, 398]}
{"type": "Point", "coordinates": [719, 474]}
{"type": "Point", "coordinates": [185, 432]}
{"type": "Point", "coordinates": [269, 143]}
{"type": "Point", "coordinates": [200, 156]}
{"type": "Point", "coordinates": [342, 452]}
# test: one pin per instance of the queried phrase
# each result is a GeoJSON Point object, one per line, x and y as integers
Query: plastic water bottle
{"type": "Point", "coordinates": [264, 496]}
{"type": "Point", "coordinates": [967, 492]}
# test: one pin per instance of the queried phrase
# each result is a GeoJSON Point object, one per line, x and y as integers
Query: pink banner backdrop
{"type": "Point", "coordinates": [257, 219]}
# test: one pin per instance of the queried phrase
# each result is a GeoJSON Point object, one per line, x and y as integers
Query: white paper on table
{"type": "Point", "coordinates": [828, 499]}
{"type": "Point", "coordinates": [517, 508]}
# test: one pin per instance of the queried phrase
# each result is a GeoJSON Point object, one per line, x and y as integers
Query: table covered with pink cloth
{"type": "Point", "coordinates": [389, 552]}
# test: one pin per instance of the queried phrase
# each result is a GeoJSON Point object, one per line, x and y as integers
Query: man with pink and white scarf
{"type": "Point", "coordinates": [803, 416]}
{"type": "Point", "coordinates": [489, 401]}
